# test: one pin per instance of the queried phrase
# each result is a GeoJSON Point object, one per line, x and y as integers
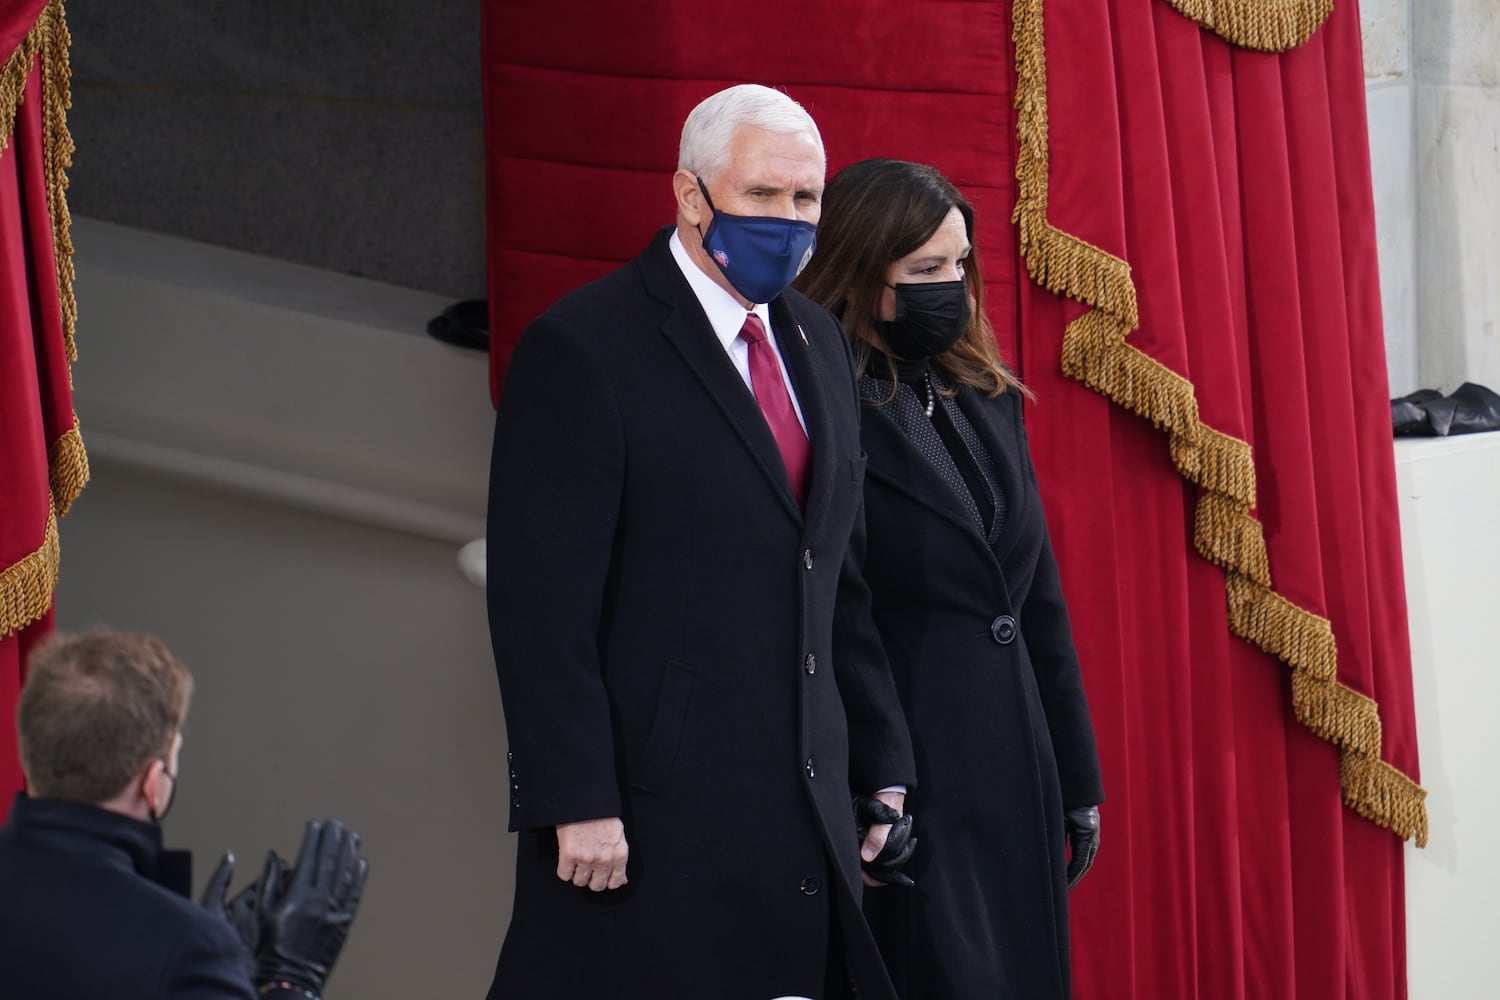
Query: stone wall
{"type": "Point", "coordinates": [1456, 65]}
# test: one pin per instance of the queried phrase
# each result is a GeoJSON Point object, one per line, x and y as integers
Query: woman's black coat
{"type": "Point", "coordinates": [979, 641]}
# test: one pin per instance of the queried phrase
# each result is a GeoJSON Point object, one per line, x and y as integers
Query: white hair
{"type": "Point", "coordinates": [710, 127]}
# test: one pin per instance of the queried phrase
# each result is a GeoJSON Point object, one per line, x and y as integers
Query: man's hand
{"type": "Point", "coordinates": [875, 840]}
{"type": "Point", "coordinates": [592, 853]}
{"type": "Point", "coordinates": [239, 911]}
{"type": "Point", "coordinates": [303, 914]}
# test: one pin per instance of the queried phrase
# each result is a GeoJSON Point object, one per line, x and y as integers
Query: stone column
{"type": "Point", "coordinates": [1456, 67]}
{"type": "Point", "coordinates": [1385, 26]}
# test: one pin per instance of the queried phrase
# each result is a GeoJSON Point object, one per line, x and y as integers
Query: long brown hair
{"type": "Point", "coordinates": [874, 213]}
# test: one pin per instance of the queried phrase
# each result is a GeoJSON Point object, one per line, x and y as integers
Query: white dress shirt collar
{"type": "Point", "coordinates": [727, 317]}
{"type": "Point", "coordinates": [725, 313]}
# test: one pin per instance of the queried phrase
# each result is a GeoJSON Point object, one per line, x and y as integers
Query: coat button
{"type": "Point", "coordinates": [807, 558]}
{"type": "Point", "coordinates": [810, 664]}
{"type": "Point", "coordinates": [810, 886]}
{"type": "Point", "coordinates": [812, 772]}
{"type": "Point", "coordinates": [1004, 630]}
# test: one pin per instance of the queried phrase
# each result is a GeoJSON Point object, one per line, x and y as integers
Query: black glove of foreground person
{"type": "Point", "coordinates": [1083, 841]}
{"type": "Point", "coordinates": [239, 911]}
{"type": "Point", "coordinates": [899, 846]}
{"type": "Point", "coordinates": [303, 915]}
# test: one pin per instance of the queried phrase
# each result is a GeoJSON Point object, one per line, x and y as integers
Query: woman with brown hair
{"type": "Point", "coordinates": [966, 596]}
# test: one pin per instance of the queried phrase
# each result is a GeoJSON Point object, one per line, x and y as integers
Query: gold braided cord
{"type": "Point", "coordinates": [1095, 352]}
{"type": "Point", "coordinates": [26, 586]}
{"type": "Point", "coordinates": [1266, 25]}
{"type": "Point", "coordinates": [57, 98]}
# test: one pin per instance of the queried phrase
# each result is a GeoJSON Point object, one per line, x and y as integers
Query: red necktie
{"type": "Point", "coordinates": [776, 404]}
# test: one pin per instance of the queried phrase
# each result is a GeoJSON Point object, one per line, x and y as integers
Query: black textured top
{"type": "Point", "coordinates": [947, 440]}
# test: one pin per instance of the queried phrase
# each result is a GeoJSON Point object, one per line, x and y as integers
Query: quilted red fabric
{"type": "Point", "coordinates": [585, 103]}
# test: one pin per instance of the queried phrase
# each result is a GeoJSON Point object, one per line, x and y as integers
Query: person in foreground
{"type": "Point", "coordinates": [91, 905]}
{"type": "Point", "coordinates": [692, 684]}
{"type": "Point", "coordinates": [966, 597]}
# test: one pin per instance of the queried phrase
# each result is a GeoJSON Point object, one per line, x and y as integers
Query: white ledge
{"type": "Point", "coordinates": [278, 381]}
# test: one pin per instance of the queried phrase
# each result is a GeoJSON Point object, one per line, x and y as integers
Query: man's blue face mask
{"type": "Point", "coordinates": [759, 255]}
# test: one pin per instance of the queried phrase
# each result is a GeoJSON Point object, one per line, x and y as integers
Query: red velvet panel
{"type": "Point", "coordinates": [35, 392]}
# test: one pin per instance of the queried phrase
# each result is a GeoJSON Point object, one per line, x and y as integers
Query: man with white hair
{"type": "Point", "coordinates": [692, 684]}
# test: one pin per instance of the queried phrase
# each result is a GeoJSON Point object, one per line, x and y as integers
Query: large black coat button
{"type": "Point", "coordinates": [810, 664]}
{"type": "Point", "coordinates": [807, 558]}
{"type": "Point", "coordinates": [810, 886]}
{"type": "Point", "coordinates": [808, 767]}
{"type": "Point", "coordinates": [1004, 630]}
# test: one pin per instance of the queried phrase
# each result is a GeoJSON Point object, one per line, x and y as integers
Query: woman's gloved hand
{"type": "Point", "coordinates": [1083, 841]}
{"type": "Point", "coordinates": [899, 844]}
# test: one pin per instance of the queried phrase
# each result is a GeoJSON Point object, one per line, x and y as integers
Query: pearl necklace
{"type": "Point", "coordinates": [931, 397]}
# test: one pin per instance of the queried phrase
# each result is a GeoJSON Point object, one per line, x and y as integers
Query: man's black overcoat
{"type": "Point", "coordinates": [679, 645]}
{"type": "Point", "coordinates": [83, 913]}
{"type": "Point", "coordinates": [978, 639]}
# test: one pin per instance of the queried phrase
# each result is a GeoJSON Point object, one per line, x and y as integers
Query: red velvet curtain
{"type": "Point", "coordinates": [42, 463]}
{"type": "Point", "coordinates": [1236, 184]}
{"type": "Point", "coordinates": [1192, 295]}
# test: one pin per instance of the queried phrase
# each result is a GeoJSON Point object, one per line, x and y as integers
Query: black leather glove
{"type": "Point", "coordinates": [239, 911]}
{"type": "Point", "coordinates": [900, 845]}
{"type": "Point", "coordinates": [1083, 841]}
{"type": "Point", "coordinates": [303, 916]}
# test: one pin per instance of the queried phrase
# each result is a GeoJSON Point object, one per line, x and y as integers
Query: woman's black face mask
{"type": "Point", "coordinates": [931, 317]}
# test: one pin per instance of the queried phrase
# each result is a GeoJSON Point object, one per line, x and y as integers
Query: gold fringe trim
{"type": "Point", "coordinates": [1382, 794]}
{"type": "Point", "coordinates": [1095, 352]}
{"type": "Point", "coordinates": [26, 586]}
{"type": "Point", "coordinates": [1266, 25]}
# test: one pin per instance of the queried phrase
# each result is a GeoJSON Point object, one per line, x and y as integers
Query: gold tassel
{"type": "Point", "coordinates": [1096, 353]}
{"type": "Point", "coordinates": [67, 468]}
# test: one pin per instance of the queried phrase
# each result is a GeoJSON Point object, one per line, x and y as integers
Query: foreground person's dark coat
{"type": "Point", "coordinates": [978, 638]}
{"type": "Point", "coordinates": [678, 645]}
{"type": "Point", "coordinates": [86, 911]}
